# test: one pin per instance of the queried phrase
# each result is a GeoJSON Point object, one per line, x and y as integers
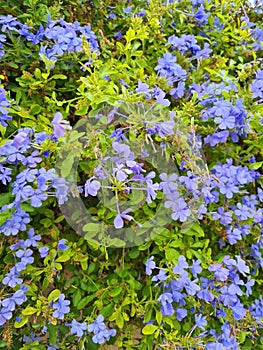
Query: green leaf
{"type": "Point", "coordinates": [4, 199]}
{"type": "Point", "coordinates": [134, 253]}
{"type": "Point", "coordinates": [85, 301]}
{"type": "Point", "coordinates": [91, 227]}
{"type": "Point", "coordinates": [116, 242]}
{"type": "Point", "coordinates": [29, 311]}
{"type": "Point", "coordinates": [242, 337]}
{"type": "Point", "coordinates": [53, 295]}
{"type": "Point", "coordinates": [4, 216]}
{"type": "Point", "coordinates": [119, 319]}
{"type": "Point", "coordinates": [107, 310]}
{"type": "Point", "coordinates": [76, 297]}
{"type": "Point", "coordinates": [66, 166]}
{"type": "Point", "coordinates": [149, 329]}
{"type": "Point", "coordinates": [171, 255]}
{"type": "Point", "coordinates": [37, 74]}
{"type": "Point", "coordinates": [64, 257]}
{"type": "Point", "coordinates": [58, 76]}
{"type": "Point", "coordinates": [159, 317]}
{"type": "Point", "coordinates": [256, 165]}
{"type": "Point", "coordinates": [116, 291]}
{"type": "Point", "coordinates": [35, 109]}
{"type": "Point", "coordinates": [21, 323]}
{"type": "Point", "coordinates": [45, 75]}
{"type": "Point", "coordinates": [192, 229]}
{"type": "Point", "coordinates": [82, 110]}
{"type": "Point", "coordinates": [52, 332]}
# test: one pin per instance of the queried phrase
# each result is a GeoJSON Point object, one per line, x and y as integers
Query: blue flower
{"type": "Point", "coordinates": [167, 67]}
{"type": "Point", "coordinates": [101, 333]}
{"type": "Point", "coordinates": [118, 221]}
{"type": "Point", "coordinates": [217, 137]}
{"type": "Point", "coordinates": [61, 186]}
{"type": "Point", "coordinates": [60, 125]}
{"type": "Point", "coordinates": [53, 347]}
{"type": "Point", "coordinates": [4, 108]}
{"type": "Point", "coordinates": [8, 22]}
{"type": "Point", "coordinates": [228, 295]}
{"type": "Point", "coordinates": [238, 310]}
{"type": "Point", "coordinates": [5, 315]}
{"type": "Point", "coordinates": [200, 321]}
{"type": "Point", "coordinates": [179, 91]}
{"type": "Point", "coordinates": [180, 210]}
{"type": "Point", "coordinates": [12, 278]}
{"type": "Point", "coordinates": [166, 300]}
{"type": "Point", "coordinates": [143, 88]}
{"type": "Point", "coordinates": [25, 256]}
{"type": "Point", "coordinates": [159, 95]}
{"type": "Point", "coordinates": [180, 267]}
{"type": "Point", "coordinates": [127, 9]}
{"type": "Point", "coordinates": [112, 15]}
{"type": "Point", "coordinates": [78, 328]}
{"type": "Point", "coordinates": [225, 217]}
{"type": "Point", "coordinates": [61, 307]}
{"type": "Point", "coordinates": [248, 285]}
{"type": "Point", "coordinates": [180, 314]}
{"type": "Point", "coordinates": [196, 268]}
{"type": "Point", "coordinates": [214, 346]}
{"type": "Point", "coordinates": [241, 266]}
{"type": "Point", "coordinates": [161, 276]}
{"type": "Point", "coordinates": [150, 265]}
{"type": "Point", "coordinates": [200, 15]}
{"type": "Point", "coordinates": [92, 187]}
{"type": "Point", "coordinates": [5, 174]}
{"type": "Point", "coordinates": [62, 245]}
{"type": "Point", "coordinates": [43, 251]}
{"type": "Point", "coordinates": [221, 273]}
{"type": "Point", "coordinates": [32, 239]}
{"type": "Point", "coordinates": [31, 338]}
{"type": "Point", "coordinates": [233, 235]}
{"type": "Point", "coordinates": [205, 295]}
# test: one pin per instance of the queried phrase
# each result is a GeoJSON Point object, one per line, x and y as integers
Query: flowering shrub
{"type": "Point", "coordinates": [131, 174]}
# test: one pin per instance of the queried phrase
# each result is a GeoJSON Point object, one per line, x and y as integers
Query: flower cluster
{"type": "Point", "coordinates": [59, 37]}
{"type": "Point", "coordinates": [220, 292]}
{"type": "Point", "coordinates": [101, 333]}
{"type": "Point", "coordinates": [4, 105]}
{"type": "Point", "coordinates": [257, 86]}
{"type": "Point", "coordinates": [122, 172]}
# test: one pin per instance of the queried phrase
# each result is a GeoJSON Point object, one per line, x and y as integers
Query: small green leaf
{"type": "Point", "coordinates": [119, 319]}
{"type": "Point", "coordinates": [4, 216]}
{"type": "Point", "coordinates": [66, 166]}
{"type": "Point", "coordinates": [85, 301]}
{"type": "Point", "coordinates": [116, 291]}
{"type": "Point", "coordinates": [116, 242]}
{"type": "Point", "coordinates": [53, 295]}
{"type": "Point", "coordinates": [64, 257]}
{"type": "Point", "coordinates": [159, 317]}
{"type": "Point", "coordinates": [76, 297]}
{"type": "Point", "coordinates": [82, 110]}
{"type": "Point", "coordinates": [58, 76]}
{"type": "Point", "coordinates": [107, 310]}
{"type": "Point", "coordinates": [35, 109]}
{"type": "Point", "coordinates": [52, 332]}
{"type": "Point", "coordinates": [29, 311]}
{"type": "Point", "coordinates": [21, 323]}
{"type": "Point", "coordinates": [91, 227]}
{"type": "Point", "coordinates": [149, 329]}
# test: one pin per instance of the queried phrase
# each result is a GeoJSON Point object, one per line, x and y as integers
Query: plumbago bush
{"type": "Point", "coordinates": [131, 174]}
